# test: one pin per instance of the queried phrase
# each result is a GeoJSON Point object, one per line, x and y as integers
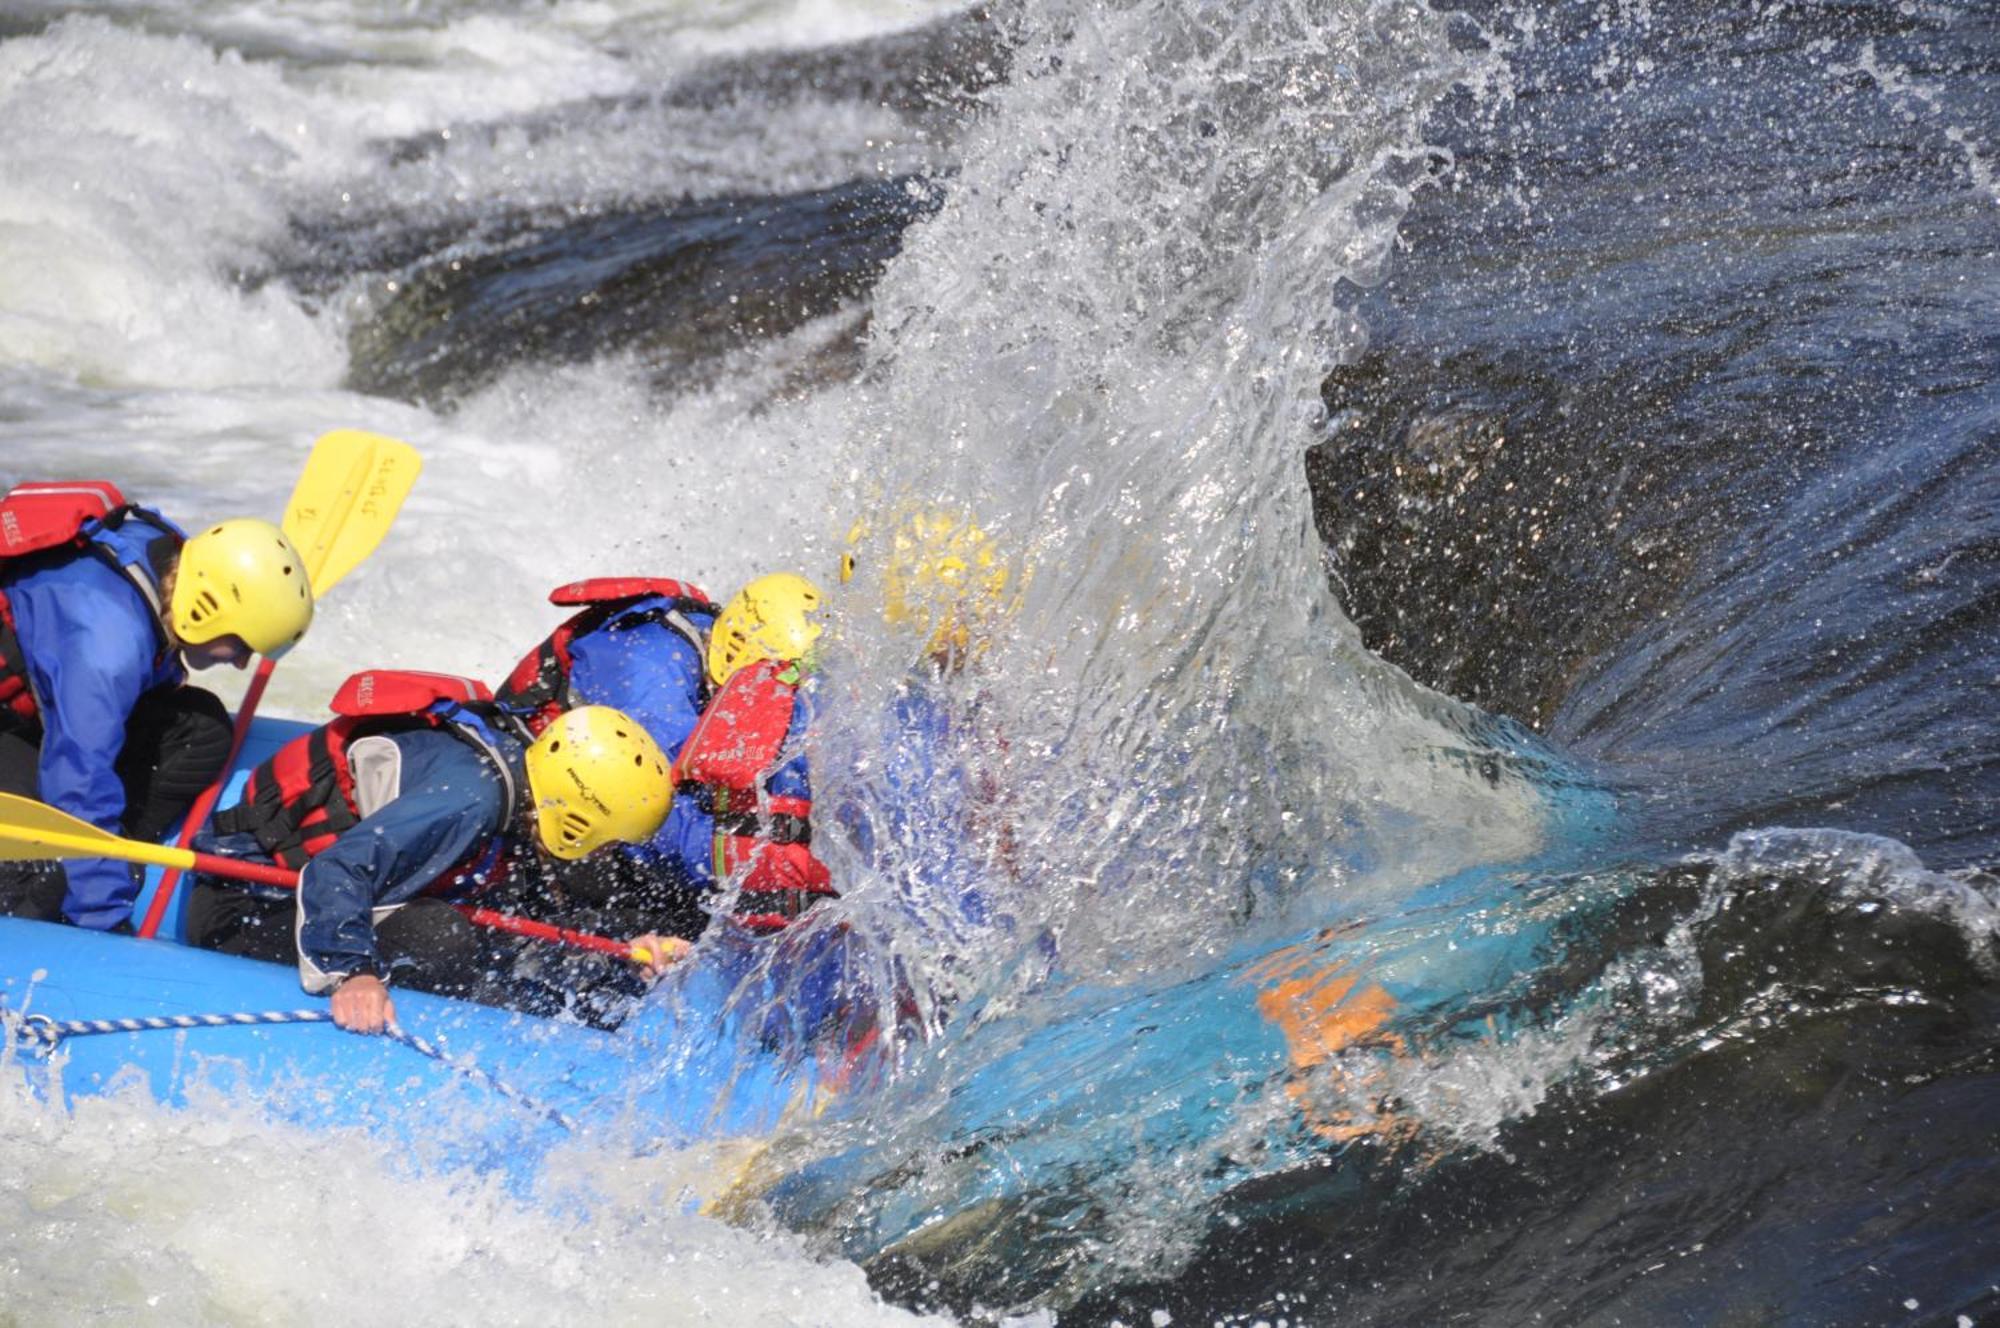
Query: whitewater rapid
{"type": "Point", "coordinates": [1114, 251]}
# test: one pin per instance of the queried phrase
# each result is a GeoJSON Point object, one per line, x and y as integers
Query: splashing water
{"type": "Point", "coordinates": [1108, 346]}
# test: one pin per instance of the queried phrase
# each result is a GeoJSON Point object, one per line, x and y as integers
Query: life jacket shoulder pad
{"type": "Point", "coordinates": [42, 515]}
{"type": "Point", "coordinates": [539, 684]}
{"type": "Point", "coordinates": [403, 692]}
{"type": "Point", "coordinates": [610, 589]}
{"type": "Point", "coordinates": [741, 733]}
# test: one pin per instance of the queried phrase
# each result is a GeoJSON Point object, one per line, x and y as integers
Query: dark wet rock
{"type": "Point", "coordinates": [678, 287]}
{"type": "Point", "coordinates": [1492, 530]}
{"type": "Point", "coordinates": [943, 65]}
{"type": "Point", "coordinates": [679, 282]}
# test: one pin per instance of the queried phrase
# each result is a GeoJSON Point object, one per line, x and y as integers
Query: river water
{"type": "Point", "coordinates": [1504, 496]}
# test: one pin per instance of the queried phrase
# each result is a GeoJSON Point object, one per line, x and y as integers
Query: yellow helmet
{"type": "Point", "coordinates": [596, 775]}
{"type": "Point", "coordinates": [241, 578]}
{"type": "Point", "coordinates": [774, 617]}
{"type": "Point", "coordinates": [942, 574]}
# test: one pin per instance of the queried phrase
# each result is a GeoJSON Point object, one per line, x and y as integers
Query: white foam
{"type": "Point", "coordinates": [215, 1214]}
{"type": "Point", "coordinates": [139, 177]}
{"type": "Point", "coordinates": [651, 152]}
{"type": "Point", "coordinates": [485, 45]}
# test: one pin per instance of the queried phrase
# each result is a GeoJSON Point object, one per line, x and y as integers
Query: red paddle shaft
{"type": "Point", "coordinates": [198, 814]}
{"type": "Point", "coordinates": [263, 874]}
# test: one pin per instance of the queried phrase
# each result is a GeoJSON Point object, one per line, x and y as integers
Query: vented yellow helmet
{"type": "Point", "coordinates": [241, 578]}
{"type": "Point", "coordinates": [774, 617]}
{"type": "Point", "coordinates": [596, 775]}
{"type": "Point", "coordinates": [942, 574]}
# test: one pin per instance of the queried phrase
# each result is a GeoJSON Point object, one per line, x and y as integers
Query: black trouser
{"type": "Point", "coordinates": [427, 945]}
{"type": "Point", "coordinates": [611, 895]}
{"type": "Point", "coordinates": [176, 744]}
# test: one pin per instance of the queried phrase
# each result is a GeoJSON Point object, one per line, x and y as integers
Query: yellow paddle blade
{"type": "Point", "coordinates": [353, 486]}
{"type": "Point", "coordinates": [35, 831]}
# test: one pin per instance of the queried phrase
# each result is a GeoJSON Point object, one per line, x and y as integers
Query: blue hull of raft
{"type": "Point", "coordinates": [313, 1074]}
{"type": "Point", "coordinates": [678, 1073]}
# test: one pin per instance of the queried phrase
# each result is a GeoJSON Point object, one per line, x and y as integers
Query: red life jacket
{"type": "Point", "coordinates": [40, 516]}
{"type": "Point", "coordinates": [539, 684]}
{"type": "Point", "coordinates": [302, 799]}
{"type": "Point", "coordinates": [763, 844]}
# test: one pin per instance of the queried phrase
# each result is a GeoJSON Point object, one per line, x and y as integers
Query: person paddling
{"type": "Point", "coordinates": [421, 792]}
{"type": "Point", "coordinates": [104, 607]}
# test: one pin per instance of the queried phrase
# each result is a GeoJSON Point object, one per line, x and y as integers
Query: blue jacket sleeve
{"type": "Point", "coordinates": [450, 803]}
{"type": "Point", "coordinates": [92, 650]}
{"type": "Point", "coordinates": [684, 850]}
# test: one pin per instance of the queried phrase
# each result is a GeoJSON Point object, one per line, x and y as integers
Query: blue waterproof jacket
{"type": "Point", "coordinates": [916, 828]}
{"type": "Point", "coordinates": [815, 985]}
{"type": "Point", "coordinates": [451, 804]}
{"type": "Point", "coordinates": [654, 674]}
{"type": "Point", "coordinates": [93, 646]}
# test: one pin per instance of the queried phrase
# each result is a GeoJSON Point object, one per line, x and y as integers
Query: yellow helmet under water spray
{"type": "Point", "coordinates": [774, 617]}
{"type": "Point", "coordinates": [241, 578]}
{"type": "Point", "coordinates": [942, 574]}
{"type": "Point", "coordinates": [596, 775]}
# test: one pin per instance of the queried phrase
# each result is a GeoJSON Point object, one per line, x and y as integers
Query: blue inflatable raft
{"type": "Point", "coordinates": [1088, 1083]}
{"type": "Point", "coordinates": [93, 1013]}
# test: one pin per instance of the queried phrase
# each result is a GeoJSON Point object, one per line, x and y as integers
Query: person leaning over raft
{"type": "Point", "coordinates": [743, 771]}
{"type": "Point", "coordinates": [743, 768]}
{"type": "Point", "coordinates": [657, 649]}
{"type": "Point", "coordinates": [946, 587]}
{"type": "Point", "coordinates": [104, 606]}
{"type": "Point", "coordinates": [422, 792]}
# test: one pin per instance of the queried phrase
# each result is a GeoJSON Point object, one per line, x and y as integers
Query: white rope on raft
{"type": "Point", "coordinates": [53, 1031]}
{"type": "Point", "coordinates": [48, 1032]}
